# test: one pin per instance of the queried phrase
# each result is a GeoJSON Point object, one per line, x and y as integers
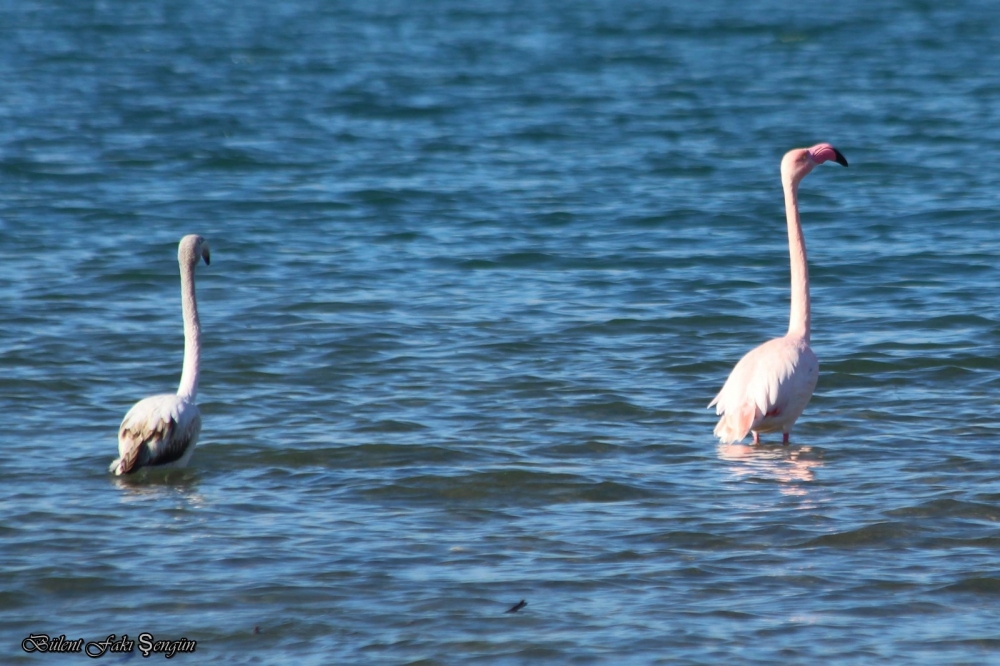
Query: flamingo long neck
{"type": "Point", "coordinates": [192, 334]}
{"type": "Point", "coordinates": [798, 322]}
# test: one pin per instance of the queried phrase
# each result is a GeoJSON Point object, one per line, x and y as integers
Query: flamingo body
{"type": "Point", "coordinates": [158, 431]}
{"type": "Point", "coordinates": [771, 385]}
{"type": "Point", "coordinates": [767, 390]}
{"type": "Point", "coordinates": [161, 431]}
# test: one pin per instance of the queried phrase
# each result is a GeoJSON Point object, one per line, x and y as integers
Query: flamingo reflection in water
{"type": "Point", "coordinates": [791, 467]}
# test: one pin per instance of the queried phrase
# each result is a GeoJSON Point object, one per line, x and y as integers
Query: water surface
{"type": "Point", "coordinates": [477, 268]}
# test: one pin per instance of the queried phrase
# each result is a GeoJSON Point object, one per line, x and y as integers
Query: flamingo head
{"type": "Point", "coordinates": [192, 248]}
{"type": "Point", "coordinates": [797, 163]}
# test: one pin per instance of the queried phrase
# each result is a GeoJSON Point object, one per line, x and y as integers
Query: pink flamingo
{"type": "Point", "coordinates": [771, 386]}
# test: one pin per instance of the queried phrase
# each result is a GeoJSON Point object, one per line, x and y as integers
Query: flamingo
{"type": "Point", "coordinates": [162, 430]}
{"type": "Point", "coordinates": [772, 384]}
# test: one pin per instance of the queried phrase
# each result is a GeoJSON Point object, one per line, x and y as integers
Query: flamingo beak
{"type": "Point", "coordinates": [839, 157]}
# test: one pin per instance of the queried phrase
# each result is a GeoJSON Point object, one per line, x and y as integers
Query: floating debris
{"type": "Point", "coordinates": [516, 607]}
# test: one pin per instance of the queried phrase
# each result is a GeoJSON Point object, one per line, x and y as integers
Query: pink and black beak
{"type": "Point", "coordinates": [824, 152]}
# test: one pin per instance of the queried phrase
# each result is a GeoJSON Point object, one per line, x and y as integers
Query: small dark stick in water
{"type": "Point", "coordinates": [516, 607]}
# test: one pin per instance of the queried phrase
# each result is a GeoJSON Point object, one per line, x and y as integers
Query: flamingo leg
{"type": "Point", "coordinates": [784, 438]}
{"type": "Point", "coordinates": [756, 437]}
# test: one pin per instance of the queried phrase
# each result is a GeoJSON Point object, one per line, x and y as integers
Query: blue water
{"type": "Point", "coordinates": [477, 268]}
